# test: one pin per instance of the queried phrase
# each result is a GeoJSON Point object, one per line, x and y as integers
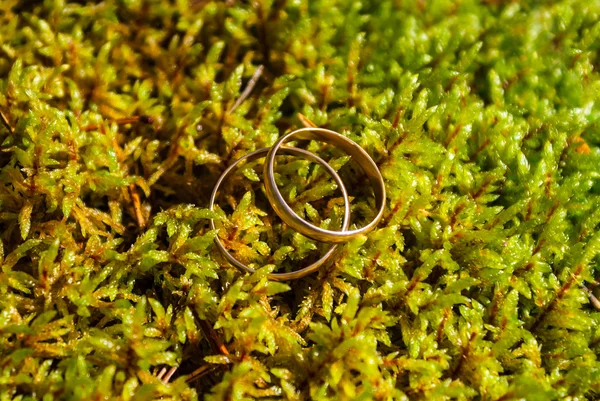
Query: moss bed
{"type": "Point", "coordinates": [478, 284]}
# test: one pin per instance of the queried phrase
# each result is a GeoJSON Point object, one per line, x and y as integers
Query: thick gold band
{"type": "Point", "coordinates": [296, 222]}
{"type": "Point", "coordinates": [296, 152]}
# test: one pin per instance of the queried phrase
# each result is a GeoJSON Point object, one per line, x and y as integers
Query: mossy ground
{"type": "Point", "coordinates": [118, 116]}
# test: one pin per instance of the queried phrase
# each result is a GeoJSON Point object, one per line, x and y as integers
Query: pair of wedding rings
{"type": "Point", "coordinates": [287, 214]}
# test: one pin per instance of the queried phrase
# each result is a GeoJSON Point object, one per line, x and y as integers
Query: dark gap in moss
{"type": "Point", "coordinates": [480, 86]}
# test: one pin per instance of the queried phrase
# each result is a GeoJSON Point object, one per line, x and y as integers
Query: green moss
{"type": "Point", "coordinates": [120, 115]}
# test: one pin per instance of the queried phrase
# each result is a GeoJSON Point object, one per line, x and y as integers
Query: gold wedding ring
{"type": "Point", "coordinates": [287, 214]}
{"type": "Point", "coordinates": [296, 152]}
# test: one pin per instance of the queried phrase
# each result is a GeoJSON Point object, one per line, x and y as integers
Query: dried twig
{"type": "Point", "coordinates": [217, 346]}
{"type": "Point", "coordinates": [137, 206]}
{"type": "Point", "coordinates": [251, 84]}
{"type": "Point", "coordinates": [592, 297]}
{"type": "Point", "coordinates": [201, 371]}
{"type": "Point", "coordinates": [6, 123]}
{"type": "Point", "coordinates": [215, 342]}
{"type": "Point", "coordinates": [305, 121]}
{"type": "Point", "coordinates": [161, 373]}
{"type": "Point", "coordinates": [169, 374]}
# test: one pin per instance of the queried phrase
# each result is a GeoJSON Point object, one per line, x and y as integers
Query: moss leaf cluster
{"type": "Point", "coordinates": [118, 116]}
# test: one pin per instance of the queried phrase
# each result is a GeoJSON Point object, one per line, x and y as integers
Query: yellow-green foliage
{"type": "Point", "coordinates": [118, 116]}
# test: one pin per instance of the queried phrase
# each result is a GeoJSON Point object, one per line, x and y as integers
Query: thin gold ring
{"type": "Point", "coordinates": [287, 214]}
{"type": "Point", "coordinates": [296, 152]}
